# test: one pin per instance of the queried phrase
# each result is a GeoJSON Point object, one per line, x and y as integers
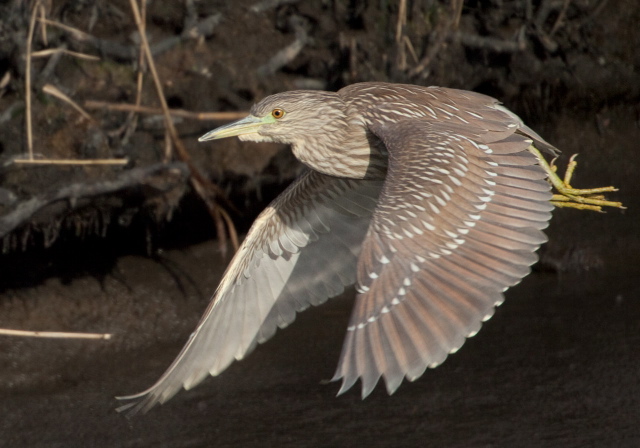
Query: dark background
{"type": "Point", "coordinates": [556, 366]}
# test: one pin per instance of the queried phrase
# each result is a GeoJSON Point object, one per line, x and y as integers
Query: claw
{"type": "Point", "coordinates": [571, 167]}
{"type": "Point", "coordinates": [581, 199]}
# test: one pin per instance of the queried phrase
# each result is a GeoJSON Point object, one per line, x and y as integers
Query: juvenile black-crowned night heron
{"type": "Point", "coordinates": [431, 200]}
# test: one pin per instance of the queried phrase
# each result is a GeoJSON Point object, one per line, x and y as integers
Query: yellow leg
{"type": "Point", "coordinates": [581, 199]}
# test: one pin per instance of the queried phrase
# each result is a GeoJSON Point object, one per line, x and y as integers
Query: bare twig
{"type": "Point", "coordinates": [202, 116]}
{"type": "Point", "coordinates": [154, 73]}
{"type": "Point", "coordinates": [167, 145]}
{"type": "Point", "coordinates": [412, 51]}
{"type": "Point", "coordinates": [141, 58]}
{"type": "Point", "coordinates": [131, 122]}
{"type": "Point", "coordinates": [54, 91]}
{"type": "Point", "coordinates": [457, 13]}
{"type": "Point", "coordinates": [402, 20]}
{"type": "Point", "coordinates": [229, 222]}
{"type": "Point", "coordinates": [560, 19]}
{"type": "Point", "coordinates": [400, 43]}
{"type": "Point", "coordinates": [43, 15]}
{"type": "Point", "coordinates": [71, 161]}
{"type": "Point", "coordinates": [27, 80]}
{"type": "Point", "coordinates": [52, 51]}
{"type": "Point", "coordinates": [54, 334]}
{"type": "Point", "coordinates": [547, 42]}
{"type": "Point", "coordinates": [4, 82]}
{"type": "Point", "coordinates": [440, 37]}
{"type": "Point", "coordinates": [490, 43]}
{"type": "Point", "coordinates": [200, 184]}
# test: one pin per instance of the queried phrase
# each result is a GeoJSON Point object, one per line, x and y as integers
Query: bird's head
{"type": "Point", "coordinates": [290, 117]}
{"type": "Point", "coordinates": [324, 132]}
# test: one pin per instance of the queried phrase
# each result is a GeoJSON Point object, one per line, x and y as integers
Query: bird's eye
{"type": "Point", "coordinates": [277, 113]}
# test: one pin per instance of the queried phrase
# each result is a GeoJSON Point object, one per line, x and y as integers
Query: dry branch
{"type": "Point", "coordinates": [51, 51]}
{"type": "Point", "coordinates": [27, 80]}
{"type": "Point", "coordinates": [134, 177]}
{"type": "Point", "coordinates": [202, 116]}
{"type": "Point", "coordinates": [205, 189]}
{"type": "Point", "coordinates": [55, 92]}
{"type": "Point", "coordinates": [71, 161]}
{"type": "Point", "coordinates": [54, 334]}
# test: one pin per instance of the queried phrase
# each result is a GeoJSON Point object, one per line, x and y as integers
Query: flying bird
{"type": "Point", "coordinates": [431, 201]}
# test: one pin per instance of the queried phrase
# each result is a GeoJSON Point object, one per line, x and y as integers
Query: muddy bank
{"type": "Point", "coordinates": [220, 57]}
{"type": "Point", "coordinates": [556, 366]}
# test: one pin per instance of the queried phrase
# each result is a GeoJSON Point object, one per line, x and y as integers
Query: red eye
{"type": "Point", "coordinates": [277, 113]}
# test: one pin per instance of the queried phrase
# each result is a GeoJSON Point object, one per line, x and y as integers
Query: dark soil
{"type": "Point", "coordinates": [133, 254]}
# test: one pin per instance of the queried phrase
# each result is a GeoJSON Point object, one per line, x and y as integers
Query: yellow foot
{"type": "Point", "coordinates": [582, 199]}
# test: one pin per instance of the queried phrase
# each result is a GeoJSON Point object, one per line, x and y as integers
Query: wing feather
{"type": "Point", "coordinates": [458, 221]}
{"type": "Point", "coordinates": [300, 251]}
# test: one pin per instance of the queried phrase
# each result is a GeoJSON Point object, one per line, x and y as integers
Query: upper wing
{"type": "Point", "coordinates": [458, 221]}
{"type": "Point", "coordinates": [439, 104]}
{"type": "Point", "coordinates": [301, 250]}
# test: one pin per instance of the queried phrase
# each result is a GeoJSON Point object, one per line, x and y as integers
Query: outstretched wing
{"type": "Point", "coordinates": [457, 223]}
{"type": "Point", "coordinates": [300, 251]}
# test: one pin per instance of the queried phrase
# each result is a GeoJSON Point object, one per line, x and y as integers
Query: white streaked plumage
{"type": "Point", "coordinates": [427, 199]}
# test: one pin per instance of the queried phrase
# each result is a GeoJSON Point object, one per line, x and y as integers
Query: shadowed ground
{"type": "Point", "coordinates": [556, 366]}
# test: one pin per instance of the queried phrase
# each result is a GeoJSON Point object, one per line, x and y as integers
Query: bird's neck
{"type": "Point", "coordinates": [356, 154]}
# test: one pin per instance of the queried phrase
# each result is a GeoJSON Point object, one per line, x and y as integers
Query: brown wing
{"type": "Point", "coordinates": [439, 104]}
{"type": "Point", "coordinates": [457, 223]}
{"type": "Point", "coordinates": [300, 251]}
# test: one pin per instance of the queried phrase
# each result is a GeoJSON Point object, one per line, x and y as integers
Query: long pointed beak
{"type": "Point", "coordinates": [247, 125]}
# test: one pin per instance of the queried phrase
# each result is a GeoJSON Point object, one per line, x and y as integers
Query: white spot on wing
{"type": "Point", "coordinates": [428, 226]}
